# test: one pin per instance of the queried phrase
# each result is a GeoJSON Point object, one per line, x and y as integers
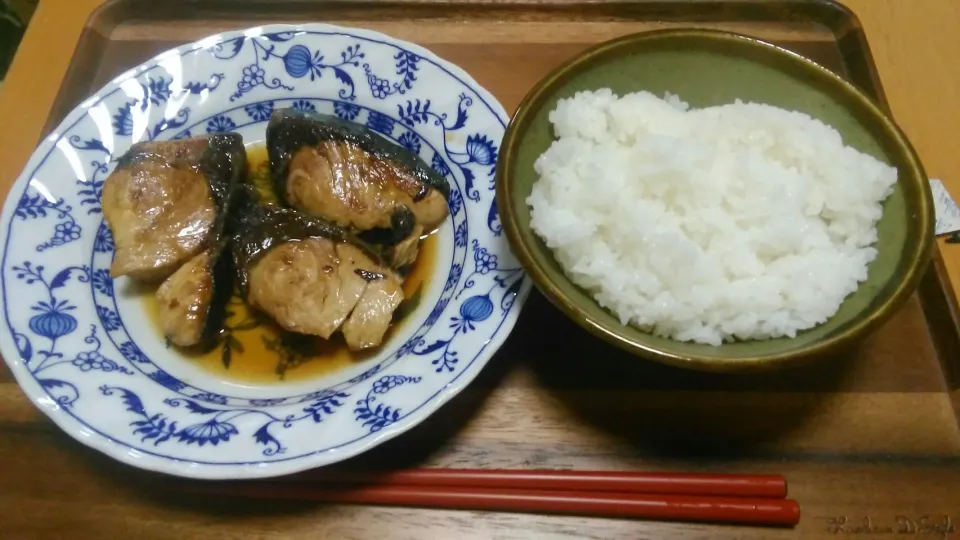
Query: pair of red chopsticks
{"type": "Point", "coordinates": [718, 498]}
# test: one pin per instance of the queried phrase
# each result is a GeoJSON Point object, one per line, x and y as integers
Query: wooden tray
{"type": "Point", "coordinates": [869, 442]}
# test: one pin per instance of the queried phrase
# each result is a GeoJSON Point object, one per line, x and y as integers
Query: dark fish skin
{"type": "Point", "coordinates": [224, 168]}
{"type": "Point", "coordinates": [402, 223]}
{"type": "Point", "coordinates": [224, 165]}
{"type": "Point", "coordinates": [224, 277]}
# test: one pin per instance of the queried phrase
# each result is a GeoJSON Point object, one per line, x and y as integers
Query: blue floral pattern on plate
{"type": "Point", "coordinates": [80, 344]}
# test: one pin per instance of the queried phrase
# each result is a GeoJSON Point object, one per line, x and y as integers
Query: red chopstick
{"type": "Point", "coordinates": [721, 485]}
{"type": "Point", "coordinates": [743, 510]}
{"type": "Point", "coordinates": [726, 498]}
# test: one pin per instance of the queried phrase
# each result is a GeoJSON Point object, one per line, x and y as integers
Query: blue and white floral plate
{"type": "Point", "coordinates": [84, 350]}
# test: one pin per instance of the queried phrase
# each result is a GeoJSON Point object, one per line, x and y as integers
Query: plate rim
{"type": "Point", "coordinates": [122, 451]}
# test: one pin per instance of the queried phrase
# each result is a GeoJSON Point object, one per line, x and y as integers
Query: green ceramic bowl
{"type": "Point", "coordinates": [705, 68]}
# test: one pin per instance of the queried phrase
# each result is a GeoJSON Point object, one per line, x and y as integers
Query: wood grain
{"type": "Point", "coordinates": [871, 435]}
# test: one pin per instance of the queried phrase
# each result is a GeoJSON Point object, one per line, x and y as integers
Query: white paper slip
{"type": "Point", "coordinates": [948, 214]}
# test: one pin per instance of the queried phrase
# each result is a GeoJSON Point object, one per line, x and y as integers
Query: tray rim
{"type": "Point", "coordinates": [844, 21]}
{"type": "Point", "coordinates": [936, 293]}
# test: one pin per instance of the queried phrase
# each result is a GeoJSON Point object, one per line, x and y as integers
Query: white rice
{"type": "Point", "coordinates": [742, 221]}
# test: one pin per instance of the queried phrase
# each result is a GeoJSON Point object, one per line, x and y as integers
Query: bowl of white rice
{"type": "Point", "coordinates": [713, 201]}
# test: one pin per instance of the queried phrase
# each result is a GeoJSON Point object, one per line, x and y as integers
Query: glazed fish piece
{"type": "Point", "coordinates": [192, 301]}
{"type": "Point", "coordinates": [311, 279]}
{"type": "Point", "coordinates": [163, 199]}
{"type": "Point", "coordinates": [353, 177]}
{"type": "Point", "coordinates": [373, 313]}
{"type": "Point", "coordinates": [371, 317]}
{"type": "Point", "coordinates": [183, 300]}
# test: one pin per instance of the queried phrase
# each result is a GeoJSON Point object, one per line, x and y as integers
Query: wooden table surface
{"type": "Point", "coordinates": [870, 445]}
